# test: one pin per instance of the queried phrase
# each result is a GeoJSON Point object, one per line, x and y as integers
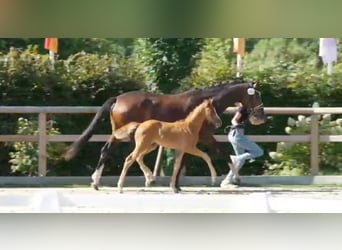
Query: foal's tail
{"type": "Point", "coordinates": [88, 132]}
{"type": "Point", "coordinates": [125, 132]}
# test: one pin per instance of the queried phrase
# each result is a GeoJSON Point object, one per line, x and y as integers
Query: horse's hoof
{"type": "Point", "coordinates": [95, 186]}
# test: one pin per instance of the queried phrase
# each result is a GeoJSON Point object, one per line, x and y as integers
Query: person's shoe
{"type": "Point", "coordinates": [230, 182]}
{"type": "Point", "coordinates": [234, 181]}
{"type": "Point", "coordinates": [226, 182]}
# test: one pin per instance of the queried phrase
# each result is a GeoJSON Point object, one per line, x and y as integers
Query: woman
{"type": "Point", "coordinates": [244, 148]}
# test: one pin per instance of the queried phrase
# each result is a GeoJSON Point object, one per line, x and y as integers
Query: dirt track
{"type": "Point", "coordinates": [162, 200]}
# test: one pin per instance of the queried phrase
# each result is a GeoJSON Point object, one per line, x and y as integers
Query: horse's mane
{"type": "Point", "coordinates": [216, 86]}
{"type": "Point", "coordinates": [213, 88]}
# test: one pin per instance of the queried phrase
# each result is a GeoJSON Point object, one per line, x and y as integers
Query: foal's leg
{"type": "Point", "coordinates": [142, 147]}
{"type": "Point", "coordinates": [105, 152]}
{"type": "Point", "coordinates": [128, 162]}
{"type": "Point", "coordinates": [176, 170]}
{"type": "Point", "coordinates": [147, 172]}
{"type": "Point", "coordinates": [206, 158]}
{"type": "Point", "coordinates": [219, 148]}
{"type": "Point", "coordinates": [149, 179]}
{"type": "Point", "coordinates": [180, 167]}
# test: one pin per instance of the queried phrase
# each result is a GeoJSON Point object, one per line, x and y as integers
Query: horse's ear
{"type": "Point", "coordinates": [255, 84]}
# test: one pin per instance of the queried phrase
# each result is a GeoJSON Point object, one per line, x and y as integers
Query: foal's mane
{"type": "Point", "coordinates": [196, 110]}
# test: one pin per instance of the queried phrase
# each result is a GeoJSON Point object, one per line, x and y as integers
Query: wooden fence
{"type": "Point", "coordinates": [42, 138]}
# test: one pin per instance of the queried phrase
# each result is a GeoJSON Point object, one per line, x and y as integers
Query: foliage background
{"type": "Point", "coordinates": [90, 70]}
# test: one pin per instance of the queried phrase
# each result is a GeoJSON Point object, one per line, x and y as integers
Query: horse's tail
{"type": "Point", "coordinates": [88, 132]}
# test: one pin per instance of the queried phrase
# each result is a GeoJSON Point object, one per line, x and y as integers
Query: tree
{"type": "Point", "coordinates": [215, 63]}
{"type": "Point", "coordinates": [165, 62]}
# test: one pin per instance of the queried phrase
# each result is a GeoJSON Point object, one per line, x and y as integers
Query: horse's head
{"type": "Point", "coordinates": [252, 101]}
{"type": "Point", "coordinates": [211, 114]}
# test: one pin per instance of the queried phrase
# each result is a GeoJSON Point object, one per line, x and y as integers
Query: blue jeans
{"type": "Point", "coordinates": [244, 149]}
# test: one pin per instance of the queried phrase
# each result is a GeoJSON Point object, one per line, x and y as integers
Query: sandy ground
{"type": "Point", "coordinates": [162, 200]}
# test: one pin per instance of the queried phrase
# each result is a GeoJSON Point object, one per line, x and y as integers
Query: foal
{"type": "Point", "coordinates": [182, 135]}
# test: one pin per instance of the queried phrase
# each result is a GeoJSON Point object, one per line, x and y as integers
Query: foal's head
{"type": "Point", "coordinates": [210, 113]}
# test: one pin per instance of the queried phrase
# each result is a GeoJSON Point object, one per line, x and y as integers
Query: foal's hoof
{"type": "Point", "coordinates": [176, 189]}
{"type": "Point", "coordinates": [151, 183]}
{"type": "Point", "coordinates": [237, 181]}
{"type": "Point", "coordinates": [95, 186]}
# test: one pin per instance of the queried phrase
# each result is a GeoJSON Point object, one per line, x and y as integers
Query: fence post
{"type": "Point", "coordinates": [314, 155]}
{"type": "Point", "coordinates": [42, 144]}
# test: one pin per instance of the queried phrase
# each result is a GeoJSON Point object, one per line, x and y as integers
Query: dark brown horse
{"type": "Point", "coordinates": [138, 106]}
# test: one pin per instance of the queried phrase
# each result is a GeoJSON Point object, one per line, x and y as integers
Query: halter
{"type": "Point", "coordinates": [252, 92]}
{"type": "Point", "coordinates": [255, 109]}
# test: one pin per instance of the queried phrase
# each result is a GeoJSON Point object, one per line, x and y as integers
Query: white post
{"type": "Point", "coordinates": [238, 65]}
{"type": "Point", "coordinates": [52, 59]}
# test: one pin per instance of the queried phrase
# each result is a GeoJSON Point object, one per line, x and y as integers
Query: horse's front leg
{"type": "Point", "coordinates": [176, 170]}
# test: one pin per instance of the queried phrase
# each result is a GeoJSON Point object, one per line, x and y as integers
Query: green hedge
{"type": "Point", "coordinates": [88, 79]}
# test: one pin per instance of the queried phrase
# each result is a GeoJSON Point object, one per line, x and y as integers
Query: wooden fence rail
{"type": "Point", "coordinates": [42, 138]}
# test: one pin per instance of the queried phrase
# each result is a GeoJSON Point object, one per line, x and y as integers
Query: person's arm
{"type": "Point", "coordinates": [236, 118]}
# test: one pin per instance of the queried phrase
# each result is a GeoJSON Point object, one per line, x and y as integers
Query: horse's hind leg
{"type": "Point", "coordinates": [105, 154]}
{"type": "Point", "coordinates": [176, 170]}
